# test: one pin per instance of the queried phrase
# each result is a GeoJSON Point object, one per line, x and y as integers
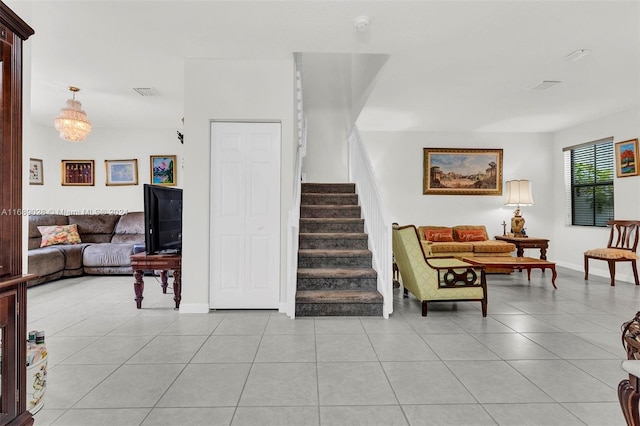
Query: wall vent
{"type": "Point", "coordinates": [546, 84]}
{"type": "Point", "coordinates": [146, 91]}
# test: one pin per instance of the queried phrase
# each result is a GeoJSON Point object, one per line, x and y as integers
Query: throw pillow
{"type": "Point", "coordinates": [439, 235]}
{"type": "Point", "coordinates": [59, 234]}
{"type": "Point", "coordinates": [468, 235]}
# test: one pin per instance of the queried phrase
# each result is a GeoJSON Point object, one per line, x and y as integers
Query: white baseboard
{"type": "Point", "coordinates": [597, 271]}
{"type": "Point", "coordinates": [194, 308]}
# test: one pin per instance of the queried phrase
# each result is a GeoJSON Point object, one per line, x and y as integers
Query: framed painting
{"type": "Point", "coordinates": [455, 171]}
{"type": "Point", "coordinates": [78, 172]}
{"type": "Point", "coordinates": [121, 172]}
{"type": "Point", "coordinates": [627, 158]}
{"type": "Point", "coordinates": [163, 170]}
{"type": "Point", "coordinates": [36, 174]}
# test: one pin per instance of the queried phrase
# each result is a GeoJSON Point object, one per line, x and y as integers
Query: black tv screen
{"type": "Point", "coordinates": [162, 219]}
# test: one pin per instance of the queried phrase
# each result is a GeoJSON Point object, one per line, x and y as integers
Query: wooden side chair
{"type": "Point", "coordinates": [622, 245]}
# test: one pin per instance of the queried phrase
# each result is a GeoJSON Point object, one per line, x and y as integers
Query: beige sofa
{"type": "Point", "coordinates": [463, 240]}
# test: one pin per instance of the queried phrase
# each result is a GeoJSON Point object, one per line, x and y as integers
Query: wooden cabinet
{"type": "Point", "coordinates": [13, 285]}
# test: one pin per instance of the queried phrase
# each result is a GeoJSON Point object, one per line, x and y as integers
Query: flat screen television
{"type": "Point", "coordinates": [162, 219]}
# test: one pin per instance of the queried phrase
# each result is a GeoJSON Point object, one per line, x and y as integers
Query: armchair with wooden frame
{"type": "Point", "coordinates": [436, 279]}
{"type": "Point", "coordinates": [622, 245]}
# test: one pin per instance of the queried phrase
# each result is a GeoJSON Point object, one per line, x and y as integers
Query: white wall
{"type": "Point", "coordinates": [335, 88]}
{"type": "Point", "coordinates": [572, 241]}
{"type": "Point", "coordinates": [397, 159]}
{"type": "Point", "coordinates": [246, 90]}
{"type": "Point", "coordinates": [102, 144]}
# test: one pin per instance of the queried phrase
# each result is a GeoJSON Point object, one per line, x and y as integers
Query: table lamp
{"type": "Point", "coordinates": [518, 194]}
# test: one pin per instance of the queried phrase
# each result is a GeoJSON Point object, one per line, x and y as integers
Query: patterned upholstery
{"type": "Point", "coordinates": [610, 253]}
{"type": "Point", "coordinates": [425, 278]}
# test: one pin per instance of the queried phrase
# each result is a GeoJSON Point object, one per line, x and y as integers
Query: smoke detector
{"type": "Point", "coordinates": [361, 23]}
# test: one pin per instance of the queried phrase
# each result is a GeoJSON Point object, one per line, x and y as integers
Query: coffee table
{"type": "Point", "coordinates": [527, 263]}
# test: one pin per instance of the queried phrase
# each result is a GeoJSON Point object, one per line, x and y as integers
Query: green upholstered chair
{"type": "Point", "coordinates": [431, 279]}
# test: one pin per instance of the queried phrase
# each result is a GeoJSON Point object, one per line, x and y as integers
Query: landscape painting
{"type": "Point", "coordinates": [455, 171]}
{"type": "Point", "coordinates": [627, 158]}
{"type": "Point", "coordinates": [163, 170]}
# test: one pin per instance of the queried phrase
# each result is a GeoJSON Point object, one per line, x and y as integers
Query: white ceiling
{"type": "Point", "coordinates": [453, 65]}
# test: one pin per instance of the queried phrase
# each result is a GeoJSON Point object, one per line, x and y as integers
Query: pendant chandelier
{"type": "Point", "coordinates": [72, 123]}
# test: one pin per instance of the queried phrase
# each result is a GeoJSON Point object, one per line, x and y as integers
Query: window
{"type": "Point", "coordinates": [589, 172]}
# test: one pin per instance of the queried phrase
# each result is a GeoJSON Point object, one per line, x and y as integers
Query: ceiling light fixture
{"type": "Point", "coordinates": [576, 55]}
{"type": "Point", "coordinates": [72, 123]}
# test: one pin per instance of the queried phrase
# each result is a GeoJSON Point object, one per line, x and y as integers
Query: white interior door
{"type": "Point", "coordinates": [245, 215]}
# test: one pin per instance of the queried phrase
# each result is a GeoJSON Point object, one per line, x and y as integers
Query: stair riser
{"type": "Point", "coordinates": [330, 212]}
{"type": "Point", "coordinates": [334, 262]}
{"type": "Point", "coordinates": [331, 227]}
{"type": "Point", "coordinates": [331, 199]}
{"type": "Point", "coordinates": [338, 309]}
{"type": "Point", "coordinates": [333, 243]}
{"type": "Point", "coordinates": [334, 188]}
{"type": "Point", "coordinates": [369, 284]}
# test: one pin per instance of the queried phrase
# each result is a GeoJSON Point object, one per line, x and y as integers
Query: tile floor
{"type": "Point", "coordinates": [541, 357]}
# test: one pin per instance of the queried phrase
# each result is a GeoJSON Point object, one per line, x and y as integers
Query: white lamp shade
{"type": "Point", "coordinates": [518, 193]}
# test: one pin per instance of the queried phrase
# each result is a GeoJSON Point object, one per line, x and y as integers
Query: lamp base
{"type": "Point", "coordinates": [517, 226]}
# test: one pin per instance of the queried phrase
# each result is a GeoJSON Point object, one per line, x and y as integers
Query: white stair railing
{"type": "Point", "coordinates": [293, 221]}
{"type": "Point", "coordinates": [376, 218]}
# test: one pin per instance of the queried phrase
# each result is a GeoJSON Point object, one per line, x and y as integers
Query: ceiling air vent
{"type": "Point", "coordinates": [546, 84]}
{"type": "Point", "coordinates": [146, 91]}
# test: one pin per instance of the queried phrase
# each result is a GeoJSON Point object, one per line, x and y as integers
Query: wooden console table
{"type": "Point", "coordinates": [141, 262]}
{"type": "Point", "coordinates": [522, 243]}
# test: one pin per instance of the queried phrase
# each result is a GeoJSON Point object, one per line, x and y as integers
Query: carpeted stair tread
{"type": "Point", "coordinates": [333, 253]}
{"type": "Point", "coordinates": [335, 235]}
{"type": "Point", "coordinates": [336, 273]}
{"type": "Point", "coordinates": [357, 220]}
{"type": "Point", "coordinates": [328, 188]}
{"type": "Point", "coordinates": [319, 199]}
{"type": "Point", "coordinates": [338, 296]}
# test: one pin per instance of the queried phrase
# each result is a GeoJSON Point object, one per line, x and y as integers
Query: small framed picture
{"type": "Point", "coordinates": [78, 172]}
{"type": "Point", "coordinates": [36, 174]}
{"type": "Point", "coordinates": [627, 158]}
{"type": "Point", "coordinates": [121, 172]}
{"type": "Point", "coordinates": [164, 170]}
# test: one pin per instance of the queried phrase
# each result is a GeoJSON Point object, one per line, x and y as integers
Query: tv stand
{"type": "Point", "coordinates": [165, 263]}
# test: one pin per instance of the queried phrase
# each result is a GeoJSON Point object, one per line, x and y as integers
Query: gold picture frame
{"type": "Point", "coordinates": [121, 172]}
{"type": "Point", "coordinates": [78, 172]}
{"type": "Point", "coordinates": [36, 172]}
{"type": "Point", "coordinates": [627, 158]}
{"type": "Point", "coordinates": [462, 171]}
{"type": "Point", "coordinates": [163, 170]}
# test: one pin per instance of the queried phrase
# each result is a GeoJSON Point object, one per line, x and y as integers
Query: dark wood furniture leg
{"type": "Point", "coordinates": [164, 282]}
{"type": "Point", "coordinates": [554, 274]}
{"type": "Point", "coordinates": [543, 253]}
{"type": "Point", "coordinates": [138, 287]}
{"type": "Point", "coordinates": [629, 398]}
{"type": "Point", "coordinates": [586, 268]}
{"type": "Point", "coordinates": [612, 272]}
{"type": "Point", "coordinates": [177, 288]}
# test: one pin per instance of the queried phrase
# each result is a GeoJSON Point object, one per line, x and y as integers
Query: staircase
{"type": "Point", "coordinates": [335, 277]}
